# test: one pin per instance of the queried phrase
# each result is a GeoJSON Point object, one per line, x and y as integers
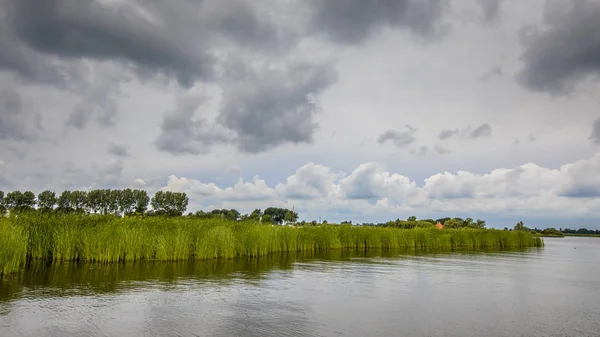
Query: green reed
{"type": "Point", "coordinates": [94, 238]}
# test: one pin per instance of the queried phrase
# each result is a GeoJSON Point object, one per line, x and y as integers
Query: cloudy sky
{"type": "Point", "coordinates": [345, 109]}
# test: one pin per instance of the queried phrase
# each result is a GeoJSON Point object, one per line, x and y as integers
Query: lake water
{"type": "Point", "coordinates": [550, 291]}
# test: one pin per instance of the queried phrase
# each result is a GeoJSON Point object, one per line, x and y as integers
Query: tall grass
{"type": "Point", "coordinates": [112, 239]}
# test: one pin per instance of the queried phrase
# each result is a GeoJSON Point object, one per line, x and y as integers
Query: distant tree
{"type": "Point", "coordinates": [412, 218]}
{"type": "Point", "coordinates": [452, 223]}
{"type": "Point", "coordinates": [78, 201]}
{"type": "Point", "coordinates": [324, 222]}
{"type": "Point", "coordinates": [277, 214]}
{"type": "Point", "coordinates": [290, 216]}
{"type": "Point", "coordinates": [266, 218]}
{"type": "Point", "coordinates": [46, 201]}
{"type": "Point", "coordinates": [480, 223]}
{"type": "Point", "coordinates": [63, 203]}
{"type": "Point", "coordinates": [442, 221]}
{"type": "Point", "coordinates": [113, 197]}
{"type": "Point", "coordinates": [94, 201]}
{"type": "Point", "coordinates": [169, 203]}
{"type": "Point", "coordinates": [18, 201]}
{"type": "Point", "coordinates": [141, 201]}
{"type": "Point", "coordinates": [468, 222]}
{"type": "Point", "coordinates": [255, 215]}
{"type": "Point", "coordinates": [520, 226]}
{"type": "Point", "coordinates": [126, 201]}
{"type": "Point", "coordinates": [2, 206]}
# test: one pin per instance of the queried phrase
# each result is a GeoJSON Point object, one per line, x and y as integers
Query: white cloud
{"type": "Point", "coordinates": [371, 189]}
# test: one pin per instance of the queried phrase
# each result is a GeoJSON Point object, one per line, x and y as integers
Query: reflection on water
{"type": "Point", "coordinates": [547, 291]}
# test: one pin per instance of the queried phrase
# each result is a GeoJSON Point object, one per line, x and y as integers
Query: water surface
{"type": "Point", "coordinates": [550, 291]}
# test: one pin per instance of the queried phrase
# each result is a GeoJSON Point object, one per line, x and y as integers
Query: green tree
{"type": "Point", "coordinates": [480, 223]}
{"type": "Point", "coordinates": [78, 201]}
{"type": "Point", "coordinates": [266, 218]}
{"type": "Point", "coordinates": [113, 197]}
{"type": "Point", "coordinates": [46, 201]}
{"type": "Point", "coordinates": [412, 218]}
{"type": "Point", "coordinates": [2, 206]}
{"type": "Point", "coordinates": [18, 201]}
{"type": "Point", "coordinates": [169, 203]}
{"type": "Point", "coordinates": [94, 200]}
{"type": "Point", "coordinates": [520, 226]}
{"type": "Point", "coordinates": [255, 215]}
{"type": "Point", "coordinates": [141, 201]}
{"type": "Point", "coordinates": [126, 201]}
{"type": "Point", "coordinates": [453, 223]}
{"type": "Point", "coordinates": [63, 204]}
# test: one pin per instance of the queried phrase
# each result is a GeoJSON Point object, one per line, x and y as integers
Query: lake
{"type": "Point", "coordinates": [549, 291]}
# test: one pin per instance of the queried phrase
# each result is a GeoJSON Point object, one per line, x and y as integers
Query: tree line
{"type": "Point", "coordinates": [447, 222]}
{"type": "Point", "coordinates": [99, 201]}
{"type": "Point", "coordinates": [125, 203]}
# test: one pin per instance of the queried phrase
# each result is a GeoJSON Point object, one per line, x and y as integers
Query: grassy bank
{"type": "Point", "coordinates": [113, 239]}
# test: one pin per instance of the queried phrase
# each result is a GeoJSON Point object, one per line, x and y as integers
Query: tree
{"type": "Point", "coordinates": [2, 206]}
{"type": "Point", "coordinates": [412, 218]}
{"type": "Point", "coordinates": [63, 204]}
{"type": "Point", "coordinates": [255, 215]}
{"type": "Point", "coordinates": [78, 201]}
{"type": "Point", "coordinates": [17, 201]}
{"type": "Point", "coordinates": [266, 219]}
{"type": "Point", "coordinates": [452, 223]}
{"type": "Point", "coordinates": [94, 200]}
{"type": "Point", "coordinates": [290, 216]}
{"type": "Point", "coordinates": [141, 201]}
{"type": "Point", "coordinates": [480, 223]}
{"type": "Point", "coordinates": [46, 201]}
{"type": "Point", "coordinates": [519, 226]}
{"type": "Point", "coordinates": [113, 197]}
{"type": "Point", "coordinates": [169, 203]}
{"type": "Point", "coordinates": [126, 201]}
{"type": "Point", "coordinates": [278, 214]}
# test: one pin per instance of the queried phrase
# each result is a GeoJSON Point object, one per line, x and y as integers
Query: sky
{"type": "Point", "coordinates": [357, 110]}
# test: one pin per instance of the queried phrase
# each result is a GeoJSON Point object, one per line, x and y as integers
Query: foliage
{"type": "Point", "coordinates": [552, 232]}
{"type": "Point", "coordinates": [279, 215]}
{"type": "Point", "coordinates": [2, 206]}
{"type": "Point", "coordinates": [19, 202]}
{"type": "Point", "coordinates": [108, 238]}
{"type": "Point", "coordinates": [46, 201]}
{"type": "Point", "coordinates": [169, 203]}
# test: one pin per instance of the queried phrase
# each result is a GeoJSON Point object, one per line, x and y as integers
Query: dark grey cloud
{"type": "Point", "coordinates": [595, 135]}
{"type": "Point", "coordinates": [490, 8]}
{"type": "Point", "coordinates": [565, 51]}
{"type": "Point", "coordinates": [182, 132]}
{"type": "Point", "coordinates": [87, 29]}
{"type": "Point", "coordinates": [118, 149]}
{"type": "Point", "coordinates": [483, 130]}
{"type": "Point", "coordinates": [17, 122]}
{"type": "Point", "coordinates": [398, 138]}
{"type": "Point", "coordinates": [446, 133]}
{"type": "Point", "coordinates": [97, 100]}
{"type": "Point", "coordinates": [270, 107]}
{"type": "Point", "coordinates": [352, 21]}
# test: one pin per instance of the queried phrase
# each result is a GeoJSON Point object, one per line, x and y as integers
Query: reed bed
{"type": "Point", "coordinates": [112, 239]}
